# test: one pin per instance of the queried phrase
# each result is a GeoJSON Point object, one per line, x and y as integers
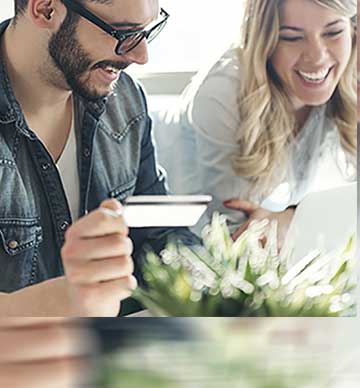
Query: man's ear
{"type": "Point", "coordinates": [46, 13]}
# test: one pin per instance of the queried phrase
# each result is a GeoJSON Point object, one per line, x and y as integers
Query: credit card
{"type": "Point", "coordinates": [164, 210]}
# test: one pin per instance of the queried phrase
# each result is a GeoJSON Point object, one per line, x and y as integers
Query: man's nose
{"type": "Point", "coordinates": [139, 54]}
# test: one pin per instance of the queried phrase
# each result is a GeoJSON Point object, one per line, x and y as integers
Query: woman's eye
{"type": "Point", "coordinates": [334, 33]}
{"type": "Point", "coordinates": [290, 39]}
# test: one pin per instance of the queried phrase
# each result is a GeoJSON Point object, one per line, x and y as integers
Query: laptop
{"type": "Point", "coordinates": [324, 220]}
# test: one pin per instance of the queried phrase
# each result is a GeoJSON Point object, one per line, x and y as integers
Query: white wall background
{"type": "Point", "coordinates": [6, 9]}
{"type": "Point", "coordinates": [198, 31]}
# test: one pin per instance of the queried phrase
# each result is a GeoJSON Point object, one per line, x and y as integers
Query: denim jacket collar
{"type": "Point", "coordinates": [9, 109]}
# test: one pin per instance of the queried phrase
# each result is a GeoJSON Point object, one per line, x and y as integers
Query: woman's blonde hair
{"type": "Point", "coordinates": [267, 121]}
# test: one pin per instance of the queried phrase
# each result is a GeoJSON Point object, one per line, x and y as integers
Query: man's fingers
{"type": "Point", "coordinates": [111, 204]}
{"type": "Point", "coordinates": [241, 204]}
{"type": "Point", "coordinates": [97, 248]}
{"type": "Point", "coordinates": [123, 287]}
{"type": "Point", "coordinates": [97, 261]}
{"type": "Point", "coordinates": [63, 373]}
{"type": "Point", "coordinates": [29, 322]}
{"type": "Point", "coordinates": [40, 343]}
{"type": "Point", "coordinates": [115, 290]}
{"type": "Point", "coordinates": [100, 270]}
{"type": "Point", "coordinates": [105, 220]}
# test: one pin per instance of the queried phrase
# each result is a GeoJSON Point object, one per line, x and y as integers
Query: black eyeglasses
{"type": "Point", "coordinates": [127, 40]}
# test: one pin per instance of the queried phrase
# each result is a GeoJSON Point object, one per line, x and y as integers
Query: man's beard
{"type": "Point", "coordinates": [73, 61]}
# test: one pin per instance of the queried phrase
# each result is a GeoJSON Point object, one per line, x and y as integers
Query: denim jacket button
{"type": "Point", "coordinates": [86, 152]}
{"type": "Point", "coordinates": [64, 225]}
{"type": "Point", "coordinates": [45, 166]}
{"type": "Point", "coordinates": [13, 244]}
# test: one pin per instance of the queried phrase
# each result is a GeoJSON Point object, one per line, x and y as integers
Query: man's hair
{"type": "Point", "coordinates": [20, 5]}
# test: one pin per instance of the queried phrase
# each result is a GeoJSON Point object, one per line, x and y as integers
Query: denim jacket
{"type": "Point", "coordinates": [116, 159]}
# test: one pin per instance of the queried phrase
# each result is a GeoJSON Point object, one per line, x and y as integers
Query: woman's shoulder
{"type": "Point", "coordinates": [228, 65]}
{"type": "Point", "coordinates": [221, 76]}
{"type": "Point", "coordinates": [211, 99]}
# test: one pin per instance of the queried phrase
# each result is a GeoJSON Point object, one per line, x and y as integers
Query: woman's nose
{"type": "Point", "coordinates": [316, 52]}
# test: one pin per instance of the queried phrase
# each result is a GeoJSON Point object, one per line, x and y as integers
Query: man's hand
{"type": "Point", "coordinates": [43, 353]}
{"type": "Point", "coordinates": [97, 261]}
{"type": "Point", "coordinates": [255, 212]}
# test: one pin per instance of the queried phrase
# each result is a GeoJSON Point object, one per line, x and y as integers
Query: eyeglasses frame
{"type": "Point", "coordinates": [119, 35]}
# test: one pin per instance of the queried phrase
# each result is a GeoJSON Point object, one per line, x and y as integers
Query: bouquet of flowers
{"type": "Point", "coordinates": [247, 277]}
{"type": "Point", "coordinates": [234, 353]}
{"type": "Point", "coordinates": [156, 366]}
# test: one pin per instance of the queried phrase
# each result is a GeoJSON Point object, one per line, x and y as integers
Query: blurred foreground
{"type": "Point", "coordinates": [180, 353]}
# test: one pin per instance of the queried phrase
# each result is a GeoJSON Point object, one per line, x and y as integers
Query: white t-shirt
{"type": "Point", "coordinates": [202, 130]}
{"type": "Point", "coordinates": [67, 166]}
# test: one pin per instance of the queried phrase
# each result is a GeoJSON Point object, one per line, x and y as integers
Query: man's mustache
{"type": "Point", "coordinates": [114, 65]}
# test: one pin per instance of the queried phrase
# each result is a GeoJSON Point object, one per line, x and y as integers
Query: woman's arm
{"type": "Point", "coordinates": [214, 119]}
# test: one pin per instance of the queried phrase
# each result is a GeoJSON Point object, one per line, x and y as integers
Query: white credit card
{"type": "Point", "coordinates": [164, 210]}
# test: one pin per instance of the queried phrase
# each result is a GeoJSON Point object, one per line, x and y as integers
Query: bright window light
{"type": "Point", "coordinates": [6, 9]}
{"type": "Point", "coordinates": [197, 32]}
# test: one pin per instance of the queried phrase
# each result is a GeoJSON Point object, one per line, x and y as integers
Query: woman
{"type": "Point", "coordinates": [274, 118]}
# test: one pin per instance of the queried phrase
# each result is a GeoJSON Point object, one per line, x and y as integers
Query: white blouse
{"type": "Point", "coordinates": [196, 141]}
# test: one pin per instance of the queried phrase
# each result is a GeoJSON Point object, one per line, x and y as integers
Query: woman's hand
{"type": "Point", "coordinates": [255, 212]}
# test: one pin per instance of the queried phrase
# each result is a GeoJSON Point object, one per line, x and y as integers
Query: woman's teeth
{"type": "Point", "coordinates": [317, 77]}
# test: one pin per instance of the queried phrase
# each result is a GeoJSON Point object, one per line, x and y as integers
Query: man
{"type": "Point", "coordinates": [75, 139]}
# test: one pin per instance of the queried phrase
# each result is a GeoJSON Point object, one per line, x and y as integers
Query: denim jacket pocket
{"type": "Point", "coordinates": [123, 191]}
{"type": "Point", "coordinates": [19, 242]}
